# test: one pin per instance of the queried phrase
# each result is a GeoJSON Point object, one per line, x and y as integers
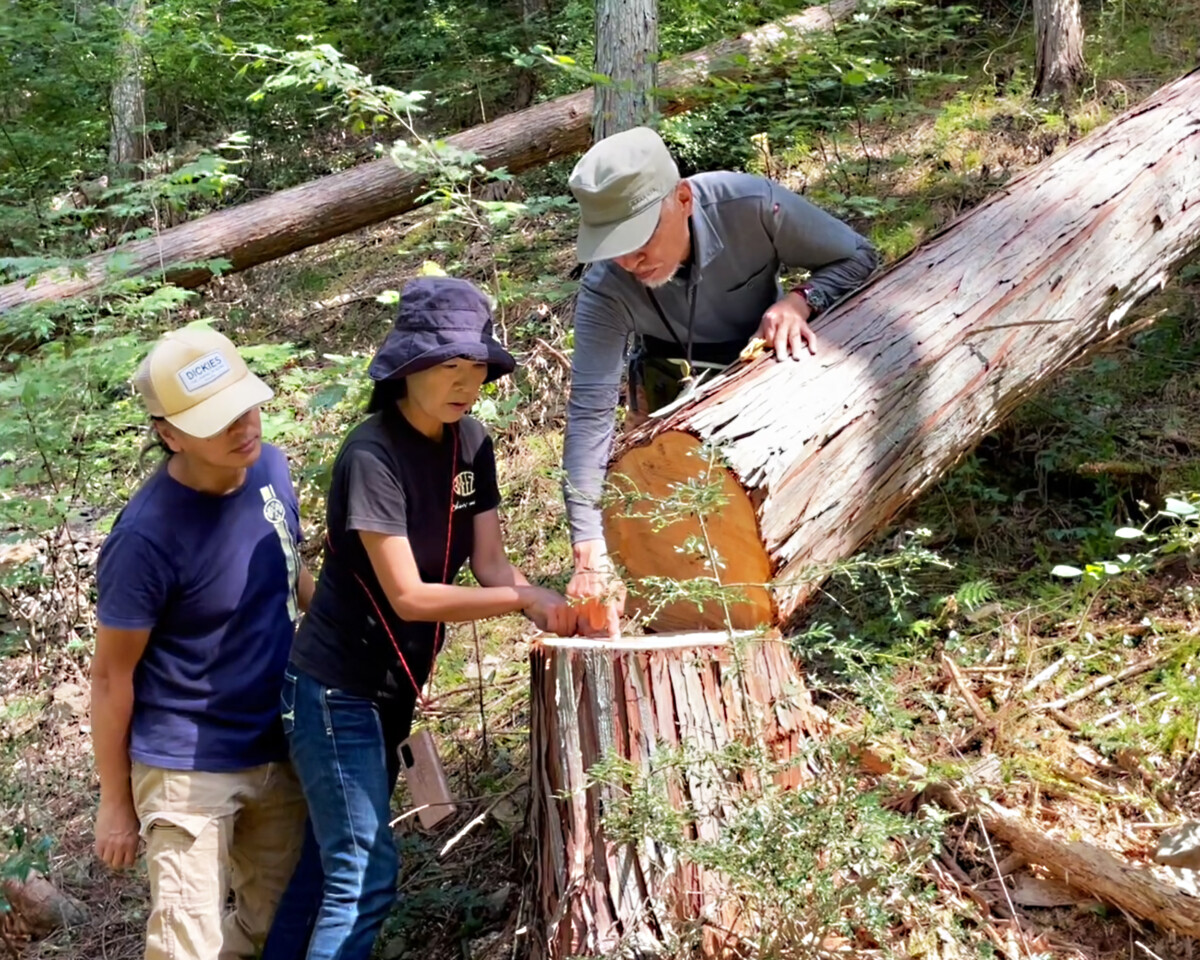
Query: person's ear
{"type": "Point", "coordinates": [683, 196]}
{"type": "Point", "coordinates": [168, 435]}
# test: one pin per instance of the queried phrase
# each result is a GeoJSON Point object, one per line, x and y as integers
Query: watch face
{"type": "Point", "coordinates": [816, 299]}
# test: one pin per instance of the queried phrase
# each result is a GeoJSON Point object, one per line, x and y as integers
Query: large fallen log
{"type": "Point", "coordinates": [639, 700]}
{"type": "Point", "coordinates": [320, 210]}
{"type": "Point", "coordinates": [816, 457]}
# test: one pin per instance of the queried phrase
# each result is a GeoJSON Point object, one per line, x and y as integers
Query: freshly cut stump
{"type": "Point", "coordinates": [640, 700]}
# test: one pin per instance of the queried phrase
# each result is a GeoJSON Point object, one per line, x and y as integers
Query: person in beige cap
{"type": "Point", "coordinates": [200, 583]}
{"type": "Point", "coordinates": [690, 267]}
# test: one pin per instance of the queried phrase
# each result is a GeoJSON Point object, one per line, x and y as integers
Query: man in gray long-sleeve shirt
{"type": "Point", "coordinates": [692, 268]}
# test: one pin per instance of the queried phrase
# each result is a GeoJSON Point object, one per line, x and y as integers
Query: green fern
{"type": "Point", "coordinates": [975, 593]}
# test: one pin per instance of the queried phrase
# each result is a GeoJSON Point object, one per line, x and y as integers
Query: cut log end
{"type": "Point", "coordinates": [649, 478]}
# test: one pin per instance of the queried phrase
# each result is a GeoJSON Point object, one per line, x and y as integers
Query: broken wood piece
{"type": "Point", "coordinates": [1121, 711]}
{"type": "Point", "coordinates": [1030, 891]}
{"type": "Point", "coordinates": [1043, 676]}
{"type": "Point", "coordinates": [1063, 719]}
{"type": "Point", "coordinates": [1180, 847]}
{"type": "Point", "coordinates": [964, 690]}
{"type": "Point", "coordinates": [37, 908]}
{"type": "Point", "coordinates": [1133, 889]}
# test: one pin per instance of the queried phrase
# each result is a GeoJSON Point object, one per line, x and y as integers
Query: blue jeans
{"type": "Point", "coordinates": [343, 749]}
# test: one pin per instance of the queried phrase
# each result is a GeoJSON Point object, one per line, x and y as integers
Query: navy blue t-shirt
{"type": "Point", "coordinates": [215, 580]}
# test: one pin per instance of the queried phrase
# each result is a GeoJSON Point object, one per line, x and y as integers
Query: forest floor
{"type": "Point", "coordinates": [1103, 448]}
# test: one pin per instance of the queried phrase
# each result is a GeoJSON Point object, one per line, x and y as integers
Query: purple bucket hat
{"type": "Point", "coordinates": [440, 318]}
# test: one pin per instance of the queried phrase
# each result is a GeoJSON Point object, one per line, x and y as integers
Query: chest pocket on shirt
{"type": "Point", "coordinates": [754, 278]}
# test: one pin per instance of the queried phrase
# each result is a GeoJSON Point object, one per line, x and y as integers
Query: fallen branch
{"type": "Point", "coordinates": [964, 690]}
{"type": "Point", "coordinates": [1135, 890]}
{"type": "Point", "coordinates": [1102, 683]}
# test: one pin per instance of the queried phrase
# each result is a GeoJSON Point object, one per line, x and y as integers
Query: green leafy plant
{"type": "Point", "coordinates": [1182, 533]}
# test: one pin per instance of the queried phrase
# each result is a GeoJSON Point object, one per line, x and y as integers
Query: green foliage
{"type": "Point", "coordinates": [824, 858]}
{"type": "Point", "coordinates": [817, 88]}
{"type": "Point", "coordinates": [1181, 534]}
{"type": "Point", "coordinates": [21, 857]}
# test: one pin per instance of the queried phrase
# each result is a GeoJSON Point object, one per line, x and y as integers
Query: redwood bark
{"type": "Point", "coordinates": [627, 54]}
{"type": "Point", "coordinates": [638, 699]}
{"type": "Point", "coordinates": [916, 368]}
{"type": "Point", "coordinates": [320, 210]}
{"type": "Point", "coordinates": [1060, 66]}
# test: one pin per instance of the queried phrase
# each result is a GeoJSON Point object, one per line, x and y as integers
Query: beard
{"type": "Point", "coordinates": [660, 281]}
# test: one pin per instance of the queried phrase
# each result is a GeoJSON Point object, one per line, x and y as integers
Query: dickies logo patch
{"type": "Point", "coordinates": [207, 370]}
{"type": "Point", "coordinates": [464, 484]}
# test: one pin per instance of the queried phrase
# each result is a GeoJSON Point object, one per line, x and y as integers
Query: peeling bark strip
{"type": "Point", "coordinates": [320, 210]}
{"type": "Point", "coordinates": [646, 697]}
{"type": "Point", "coordinates": [913, 370]}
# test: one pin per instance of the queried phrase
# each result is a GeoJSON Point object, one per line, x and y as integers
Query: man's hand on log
{"type": "Point", "coordinates": [600, 592]}
{"type": "Point", "coordinates": [117, 833]}
{"type": "Point", "coordinates": [785, 327]}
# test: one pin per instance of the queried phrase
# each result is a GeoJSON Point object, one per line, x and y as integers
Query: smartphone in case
{"type": "Point", "coordinates": [426, 779]}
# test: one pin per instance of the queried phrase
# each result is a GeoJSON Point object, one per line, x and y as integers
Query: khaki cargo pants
{"type": "Point", "coordinates": [210, 834]}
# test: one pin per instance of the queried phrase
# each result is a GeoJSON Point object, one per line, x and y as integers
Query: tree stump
{"type": "Point", "coordinates": [640, 700]}
{"type": "Point", "coordinates": [817, 456]}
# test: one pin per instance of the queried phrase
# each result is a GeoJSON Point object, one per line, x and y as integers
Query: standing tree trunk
{"type": "Point", "coordinates": [527, 79]}
{"type": "Point", "coordinates": [627, 54]}
{"type": "Point", "coordinates": [127, 144]}
{"type": "Point", "coordinates": [816, 457]}
{"type": "Point", "coordinates": [648, 702]}
{"type": "Point", "coordinates": [1060, 66]}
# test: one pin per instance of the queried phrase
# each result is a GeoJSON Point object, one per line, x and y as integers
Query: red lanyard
{"type": "Point", "coordinates": [439, 629]}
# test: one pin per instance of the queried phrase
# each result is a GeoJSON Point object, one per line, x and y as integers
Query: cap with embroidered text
{"type": "Point", "coordinates": [620, 184]}
{"type": "Point", "coordinates": [195, 380]}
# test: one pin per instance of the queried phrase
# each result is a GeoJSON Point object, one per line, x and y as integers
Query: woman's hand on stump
{"type": "Point", "coordinates": [550, 611]}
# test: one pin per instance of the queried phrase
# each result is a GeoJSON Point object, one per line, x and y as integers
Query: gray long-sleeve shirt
{"type": "Point", "coordinates": [744, 228]}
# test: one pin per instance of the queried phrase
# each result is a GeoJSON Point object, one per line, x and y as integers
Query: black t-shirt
{"type": "Point", "coordinates": [390, 478]}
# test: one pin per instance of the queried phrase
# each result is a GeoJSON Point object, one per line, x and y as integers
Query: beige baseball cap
{"type": "Point", "coordinates": [620, 184]}
{"type": "Point", "coordinates": [195, 380]}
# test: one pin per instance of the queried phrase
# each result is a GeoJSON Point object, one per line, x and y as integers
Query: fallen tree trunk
{"type": "Point", "coordinates": [640, 701]}
{"type": "Point", "coordinates": [320, 210]}
{"type": "Point", "coordinates": [816, 457]}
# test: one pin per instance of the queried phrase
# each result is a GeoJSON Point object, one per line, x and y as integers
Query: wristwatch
{"type": "Point", "coordinates": [815, 298]}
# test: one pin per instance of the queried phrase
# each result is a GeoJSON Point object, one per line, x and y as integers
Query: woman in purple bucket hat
{"type": "Point", "coordinates": [413, 497]}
